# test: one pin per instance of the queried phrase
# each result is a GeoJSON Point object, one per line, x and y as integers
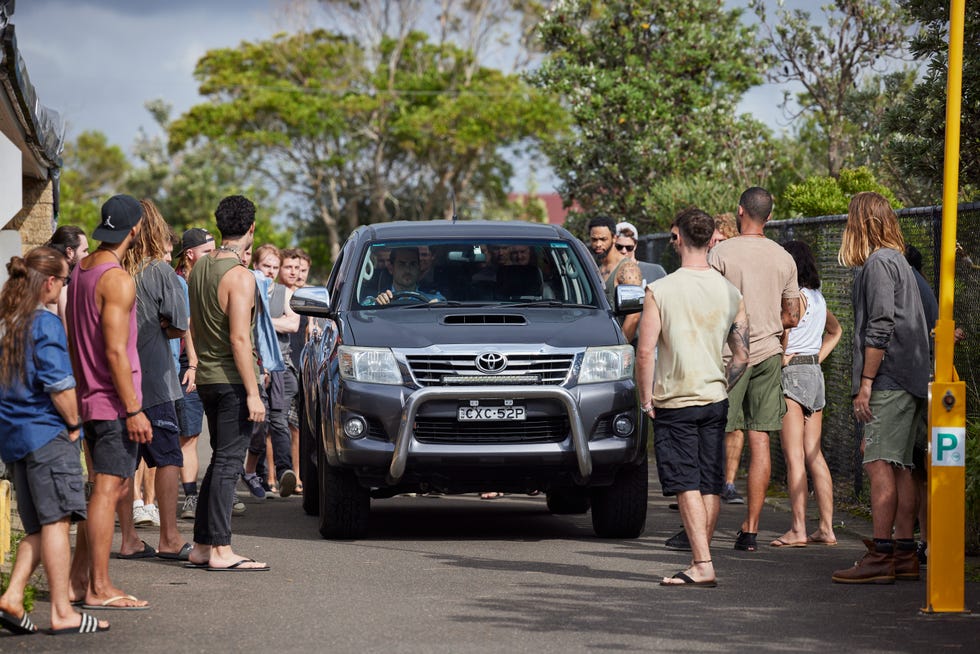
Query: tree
{"type": "Point", "coordinates": [919, 122]}
{"type": "Point", "coordinates": [92, 170]}
{"type": "Point", "coordinates": [830, 61]}
{"type": "Point", "coordinates": [358, 144]}
{"type": "Point", "coordinates": [652, 88]}
{"type": "Point", "coordinates": [830, 196]}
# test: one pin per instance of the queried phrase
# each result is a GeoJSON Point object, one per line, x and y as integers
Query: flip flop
{"type": "Point", "coordinates": [197, 566]}
{"type": "Point", "coordinates": [146, 553]}
{"type": "Point", "coordinates": [779, 542]}
{"type": "Point", "coordinates": [182, 555]}
{"type": "Point", "coordinates": [687, 581]}
{"type": "Point", "coordinates": [821, 541]}
{"type": "Point", "coordinates": [236, 567]}
{"type": "Point", "coordinates": [88, 625]}
{"type": "Point", "coordinates": [109, 605]}
{"type": "Point", "coordinates": [21, 626]}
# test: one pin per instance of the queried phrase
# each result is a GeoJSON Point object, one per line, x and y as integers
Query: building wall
{"type": "Point", "coordinates": [33, 224]}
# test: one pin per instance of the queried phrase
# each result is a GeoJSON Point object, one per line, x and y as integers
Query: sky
{"type": "Point", "coordinates": [97, 62]}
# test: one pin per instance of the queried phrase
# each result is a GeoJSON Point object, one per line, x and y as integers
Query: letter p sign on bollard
{"type": "Point", "coordinates": [948, 446]}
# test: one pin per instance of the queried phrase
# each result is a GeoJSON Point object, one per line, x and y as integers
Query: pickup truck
{"type": "Point", "coordinates": [464, 356]}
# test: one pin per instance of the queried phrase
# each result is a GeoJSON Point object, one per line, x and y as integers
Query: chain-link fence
{"type": "Point", "coordinates": [921, 228]}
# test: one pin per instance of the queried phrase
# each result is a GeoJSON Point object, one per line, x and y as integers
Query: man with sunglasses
{"type": "Point", "coordinates": [627, 239]}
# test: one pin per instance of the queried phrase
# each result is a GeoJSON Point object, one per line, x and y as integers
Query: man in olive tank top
{"type": "Point", "coordinates": [222, 300]}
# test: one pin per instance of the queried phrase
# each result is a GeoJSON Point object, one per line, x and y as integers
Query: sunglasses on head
{"type": "Point", "coordinates": [625, 248]}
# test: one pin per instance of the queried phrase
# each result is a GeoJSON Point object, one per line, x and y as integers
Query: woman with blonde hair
{"type": "Point", "coordinates": [39, 435]}
{"type": "Point", "coordinates": [889, 383]}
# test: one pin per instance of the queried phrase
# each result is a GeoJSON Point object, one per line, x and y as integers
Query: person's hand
{"type": "Point", "coordinates": [862, 403]}
{"type": "Point", "coordinates": [73, 434]}
{"type": "Point", "coordinates": [647, 409]}
{"type": "Point", "coordinates": [958, 335]}
{"type": "Point", "coordinates": [190, 380]}
{"type": "Point", "coordinates": [787, 358]}
{"type": "Point", "coordinates": [139, 429]}
{"type": "Point", "coordinates": [256, 410]}
{"type": "Point", "coordinates": [384, 297]}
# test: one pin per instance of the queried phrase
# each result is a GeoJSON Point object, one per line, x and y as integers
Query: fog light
{"type": "Point", "coordinates": [623, 425]}
{"type": "Point", "coordinates": [355, 427]}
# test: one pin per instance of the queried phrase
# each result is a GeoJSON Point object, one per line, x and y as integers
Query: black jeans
{"type": "Point", "coordinates": [277, 427]}
{"type": "Point", "coordinates": [227, 413]}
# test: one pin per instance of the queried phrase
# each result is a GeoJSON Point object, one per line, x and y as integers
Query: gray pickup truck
{"type": "Point", "coordinates": [457, 357]}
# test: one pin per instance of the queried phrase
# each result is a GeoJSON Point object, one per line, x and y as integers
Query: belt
{"type": "Point", "coordinates": [803, 359]}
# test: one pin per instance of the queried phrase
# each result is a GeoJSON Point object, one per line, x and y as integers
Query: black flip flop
{"type": "Point", "coordinates": [710, 583]}
{"type": "Point", "coordinates": [237, 567]}
{"type": "Point", "coordinates": [146, 553]}
{"type": "Point", "coordinates": [183, 555]}
{"type": "Point", "coordinates": [21, 626]}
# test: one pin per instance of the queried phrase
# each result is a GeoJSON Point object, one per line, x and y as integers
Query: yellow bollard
{"type": "Point", "coordinates": [5, 508]}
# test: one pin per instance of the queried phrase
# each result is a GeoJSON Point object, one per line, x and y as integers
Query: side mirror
{"type": "Point", "coordinates": [311, 301]}
{"type": "Point", "coordinates": [629, 299]}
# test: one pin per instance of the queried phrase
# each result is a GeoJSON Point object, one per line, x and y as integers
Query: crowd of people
{"type": "Point", "coordinates": [111, 358]}
{"type": "Point", "coordinates": [99, 368]}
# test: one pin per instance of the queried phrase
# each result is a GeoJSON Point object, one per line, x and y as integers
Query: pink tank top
{"type": "Point", "coordinates": [97, 395]}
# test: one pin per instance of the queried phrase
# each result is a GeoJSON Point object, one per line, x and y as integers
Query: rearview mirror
{"type": "Point", "coordinates": [311, 301]}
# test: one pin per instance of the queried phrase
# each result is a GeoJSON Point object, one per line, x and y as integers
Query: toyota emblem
{"type": "Point", "coordinates": [491, 362]}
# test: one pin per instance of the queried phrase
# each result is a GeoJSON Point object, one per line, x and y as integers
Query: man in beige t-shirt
{"type": "Point", "coordinates": [766, 275]}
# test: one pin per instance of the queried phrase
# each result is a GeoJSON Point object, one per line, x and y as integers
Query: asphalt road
{"type": "Point", "coordinates": [460, 574]}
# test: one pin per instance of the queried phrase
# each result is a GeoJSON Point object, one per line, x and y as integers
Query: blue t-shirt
{"type": "Point", "coordinates": [28, 418]}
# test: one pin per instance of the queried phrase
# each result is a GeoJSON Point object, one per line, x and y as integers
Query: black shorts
{"type": "Point", "coordinates": [50, 484]}
{"type": "Point", "coordinates": [112, 451]}
{"type": "Point", "coordinates": [164, 448]}
{"type": "Point", "coordinates": [690, 446]}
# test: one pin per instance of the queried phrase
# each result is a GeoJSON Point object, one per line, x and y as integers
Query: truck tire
{"type": "Point", "coordinates": [568, 501]}
{"type": "Point", "coordinates": [620, 510]}
{"type": "Point", "coordinates": [308, 446]}
{"type": "Point", "coordinates": [344, 505]}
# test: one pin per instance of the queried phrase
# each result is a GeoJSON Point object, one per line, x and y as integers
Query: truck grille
{"type": "Point", "coordinates": [452, 369]}
{"type": "Point", "coordinates": [532, 430]}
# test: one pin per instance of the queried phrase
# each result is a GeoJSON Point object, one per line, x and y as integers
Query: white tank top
{"type": "Point", "coordinates": [807, 336]}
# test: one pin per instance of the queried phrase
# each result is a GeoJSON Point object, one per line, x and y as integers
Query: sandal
{"type": "Point", "coordinates": [299, 488]}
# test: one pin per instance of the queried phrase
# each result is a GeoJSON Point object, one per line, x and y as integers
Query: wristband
{"type": "Point", "coordinates": [646, 408]}
{"type": "Point", "coordinates": [192, 367]}
{"type": "Point", "coordinates": [133, 414]}
{"type": "Point", "coordinates": [866, 377]}
{"type": "Point", "coordinates": [74, 427]}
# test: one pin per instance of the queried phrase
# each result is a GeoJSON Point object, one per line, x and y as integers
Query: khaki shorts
{"type": "Point", "coordinates": [899, 421]}
{"type": "Point", "coordinates": [756, 402]}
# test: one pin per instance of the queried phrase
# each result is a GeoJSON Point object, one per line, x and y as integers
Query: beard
{"type": "Point", "coordinates": [601, 256]}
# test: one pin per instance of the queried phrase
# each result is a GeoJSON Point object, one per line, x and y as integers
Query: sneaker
{"type": "Point", "coordinates": [678, 541]}
{"type": "Point", "coordinates": [238, 508]}
{"type": "Point", "coordinates": [142, 517]}
{"type": "Point", "coordinates": [255, 486]}
{"type": "Point", "coordinates": [154, 513]}
{"type": "Point", "coordinates": [287, 483]}
{"type": "Point", "coordinates": [730, 496]}
{"type": "Point", "coordinates": [189, 510]}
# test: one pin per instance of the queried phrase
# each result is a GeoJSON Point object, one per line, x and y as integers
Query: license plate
{"type": "Point", "coordinates": [489, 413]}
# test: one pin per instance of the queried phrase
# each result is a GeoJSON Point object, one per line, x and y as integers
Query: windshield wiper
{"type": "Point", "coordinates": [546, 303]}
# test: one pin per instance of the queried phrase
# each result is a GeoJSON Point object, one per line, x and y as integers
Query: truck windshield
{"type": "Point", "coordinates": [470, 272]}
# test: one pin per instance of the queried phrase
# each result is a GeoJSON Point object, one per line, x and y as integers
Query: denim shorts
{"type": "Point", "coordinates": [190, 414]}
{"type": "Point", "coordinates": [690, 446]}
{"type": "Point", "coordinates": [803, 383]}
{"type": "Point", "coordinates": [899, 421]}
{"type": "Point", "coordinates": [50, 484]}
{"type": "Point", "coordinates": [110, 449]}
{"type": "Point", "coordinates": [164, 449]}
{"type": "Point", "coordinates": [756, 401]}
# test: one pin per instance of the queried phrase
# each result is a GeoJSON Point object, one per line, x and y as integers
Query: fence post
{"type": "Point", "coordinates": [5, 516]}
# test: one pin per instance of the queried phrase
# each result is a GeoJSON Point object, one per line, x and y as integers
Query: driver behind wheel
{"type": "Point", "coordinates": [405, 274]}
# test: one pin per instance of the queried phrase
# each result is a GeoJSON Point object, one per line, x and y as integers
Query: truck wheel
{"type": "Point", "coordinates": [620, 510]}
{"type": "Point", "coordinates": [568, 501]}
{"type": "Point", "coordinates": [308, 446]}
{"type": "Point", "coordinates": [344, 504]}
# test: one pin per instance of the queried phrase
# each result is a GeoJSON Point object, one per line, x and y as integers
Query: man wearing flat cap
{"type": "Point", "coordinates": [101, 316]}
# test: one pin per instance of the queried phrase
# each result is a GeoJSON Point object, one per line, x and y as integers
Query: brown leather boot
{"type": "Point", "coordinates": [906, 565]}
{"type": "Point", "coordinates": [873, 568]}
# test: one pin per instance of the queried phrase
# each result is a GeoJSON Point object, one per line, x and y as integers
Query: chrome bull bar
{"type": "Point", "coordinates": [403, 441]}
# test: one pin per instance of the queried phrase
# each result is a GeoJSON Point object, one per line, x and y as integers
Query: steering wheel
{"type": "Point", "coordinates": [408, 295]}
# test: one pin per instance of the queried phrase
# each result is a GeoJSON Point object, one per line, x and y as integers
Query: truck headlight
{"type": "Point", "coordinates": [603, 364]}
{"type": "Point", "coordinates": [373, 365]}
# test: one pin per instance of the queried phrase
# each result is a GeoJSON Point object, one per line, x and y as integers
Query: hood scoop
{"type": "Point", "coordinates": [485, 319]}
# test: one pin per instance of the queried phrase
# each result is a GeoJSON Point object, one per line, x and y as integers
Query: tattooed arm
{"type": "Point", "coordinates": [738, 342]}
{"type": "Point", "coordinates": [630, 273]}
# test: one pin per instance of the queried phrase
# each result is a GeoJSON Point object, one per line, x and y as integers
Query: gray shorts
{"type": "Point", "coordinates": [899, 421]}
{"type": "Point", "coordinates": [803, 383]}
{"type": "Point", "coordinates": [111, 450]}
{"type": "Point", "coordinates": [50, 484]}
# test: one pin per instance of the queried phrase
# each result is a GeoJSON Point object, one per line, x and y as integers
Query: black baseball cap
{"type": "Point", "coordinates": [192, 238]}
{"type": "Point", "coordinates": [120, 214]}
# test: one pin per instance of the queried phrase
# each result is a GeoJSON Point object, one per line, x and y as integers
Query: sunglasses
{"type": "Point", "coordinates": [64, 280]}
{"type": "Point", "coordinates": [625, 248]}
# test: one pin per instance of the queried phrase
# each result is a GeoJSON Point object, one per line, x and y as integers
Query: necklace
{"type": "Point", "coordinates": [113, 253]}
{"type": "Point", "coordinates": [230, 248]}
{"type": "Point", "coordinates": [698, 267]}
{"type": "Point", "coordinates": [758, 235]}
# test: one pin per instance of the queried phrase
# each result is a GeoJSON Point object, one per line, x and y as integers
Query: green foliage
{"type": "Point", "coordinates": [826, 196]}
{"type": "Point", "coordinates": [652, 88]}
{"type": "Point", "coordinates": [828, 59]}
{"type": "Point", "coordinates": [973, 486]}
{"type": "Point", "coordinates": [919, 121]}
{"type": "Point", "coordinates": [92, 171]}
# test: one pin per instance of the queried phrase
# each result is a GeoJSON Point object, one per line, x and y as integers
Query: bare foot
{"type": "Point", "coordinates": [73, 622]}
{"type": "Point", "coordinates": [700, 574]}
{"type": "Point", "coordinates": [823, 538]}
{"type": "Point", "coordinates": [114, 599]}
{"type": "Point", "coordinates": [790, 539]}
